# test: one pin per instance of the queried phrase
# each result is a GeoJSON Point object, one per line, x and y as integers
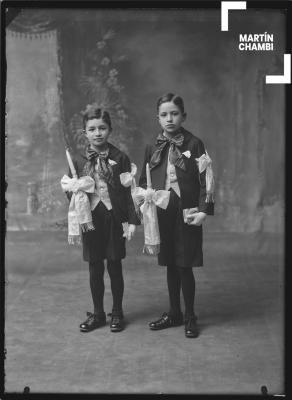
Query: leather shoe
{"type": "Point", "coordinates": [166, 321]}
{"type": "Point", "coordinates": [117, 322]}
{"type": "Point", "coordinates": [191, 327]}
{"type": "Point", "coordinates": [93, 321]}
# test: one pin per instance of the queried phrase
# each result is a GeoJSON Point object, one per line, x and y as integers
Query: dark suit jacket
{"type": "Point", "coordinates": [120, 196]}
{"type": "Point", "coordinates": [192, 184]}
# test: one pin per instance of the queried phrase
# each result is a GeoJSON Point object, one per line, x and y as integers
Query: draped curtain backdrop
{"type": "Point", "coordinates": [61, 60]}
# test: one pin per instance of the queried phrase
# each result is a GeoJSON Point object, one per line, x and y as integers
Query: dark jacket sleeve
{"type": "Point", "coordinates": [132, 215]}
{"type": "Point", "coordinates": [147, 157]}
{"type": "Point", "coordinates": [205, 207]}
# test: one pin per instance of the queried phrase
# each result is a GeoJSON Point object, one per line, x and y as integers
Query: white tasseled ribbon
{"type": "Point", "coordinates": [150, 200]}
{"type": "Point", "coordinates": [205, 163]}
{"type": "Point", "coordinates": [79, 214]}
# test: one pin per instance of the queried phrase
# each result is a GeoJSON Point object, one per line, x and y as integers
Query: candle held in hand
{"type": "Point", "coordinates": [148, 176]}
{"type": "Point", "coordinates": [71, 165]}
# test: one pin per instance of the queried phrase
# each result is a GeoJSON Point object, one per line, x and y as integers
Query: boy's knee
{"type": "Point", "coordinates": [186, 272]}
{"type": "Point", "coordinates": [114, 267]}
{"type": "Point", "coordinates": [96, 267]}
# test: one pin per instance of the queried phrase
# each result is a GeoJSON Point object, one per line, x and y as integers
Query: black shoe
{"type": "Point", "coordinates": [166, 321]}
{"type": "Point", "coordinates": [93, 321]}
{"type": "Point", "coordinates": [191, 327]}
{"type": "Point", "coordinates": [117, 322]}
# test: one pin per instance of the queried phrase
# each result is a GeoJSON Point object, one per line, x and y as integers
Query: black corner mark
{"type": "Point", "coordinates": [10, 14]}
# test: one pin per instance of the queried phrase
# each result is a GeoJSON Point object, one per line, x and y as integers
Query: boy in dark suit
{"type": "Point", "coordinates": [112, 210]}
{"type": "Point", "coordinates": [178, 162]}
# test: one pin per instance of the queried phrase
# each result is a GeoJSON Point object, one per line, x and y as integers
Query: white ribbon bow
{"type": "Point", "coordinates": [79, 214]}
{"type": "Point", "coordinates": [205, 163]}
{"type": "Point", "coordinates": [128, 178]}
{"type": "Point", "coordinates": [159, 197]}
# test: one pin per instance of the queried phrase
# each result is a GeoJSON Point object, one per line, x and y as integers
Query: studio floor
{"type": "Point", "coordinates": [239, 302]}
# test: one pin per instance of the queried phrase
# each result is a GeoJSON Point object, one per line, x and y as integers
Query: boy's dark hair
{"type": "Point", "coordinates": [95, 112]}
{"type": "Point", "coordinates": [177, 100]}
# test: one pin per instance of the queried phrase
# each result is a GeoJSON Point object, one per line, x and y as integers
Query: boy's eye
{"type": "Point", "coordinates": [163, 115]}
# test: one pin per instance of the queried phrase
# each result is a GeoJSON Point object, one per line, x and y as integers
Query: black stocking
{"type": "Point", "coordinates": [188, 288]}
{"type": "Point", "coordinates": [96, 273]}
{"type": "Point", "coordinates": [117, 283]}
{"type": "Point", "coordinates": [174, 285]}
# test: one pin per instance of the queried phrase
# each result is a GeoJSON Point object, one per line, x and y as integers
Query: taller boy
{"type": "Point", "coordinates": [179, 163]}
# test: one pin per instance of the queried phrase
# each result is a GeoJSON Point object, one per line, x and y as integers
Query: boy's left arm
{"type": "Point", "coordinates": [206, 204]}
{"type": "Point", "coordinates": [133, 218]}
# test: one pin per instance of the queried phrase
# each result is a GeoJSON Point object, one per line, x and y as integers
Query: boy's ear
{"type": "Point", "coordinates": [184, 116]}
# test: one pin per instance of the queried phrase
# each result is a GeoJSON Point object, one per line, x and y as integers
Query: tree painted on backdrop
{"type": "Point", "coordinates": [102, 87]}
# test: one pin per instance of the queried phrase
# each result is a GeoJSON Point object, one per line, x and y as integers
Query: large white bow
{"type": "Point", "coordinates": [205, 163]}
{"type": "Point", "coordinates": [79, 214]}
{"type": "Point", "coordinates": [158, 197]}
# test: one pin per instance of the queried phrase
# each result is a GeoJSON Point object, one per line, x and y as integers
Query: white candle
{"type": "Point", "coordinates": [71, 165]}
{"type": "Point", "coordinates": [148, 176]}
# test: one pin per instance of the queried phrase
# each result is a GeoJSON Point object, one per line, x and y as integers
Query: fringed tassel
{"type": "Point", "coordinates": [74, 240]}
{"type": "Point", "coordinates": [151, 249]}
{"type": "Point", "coordinates": [87, 227]}
{"type": "Point", "coordinates": [209, 198]}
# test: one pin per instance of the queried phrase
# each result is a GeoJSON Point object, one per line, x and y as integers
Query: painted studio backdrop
{"type": "Point", "coordinates": [58, 61]}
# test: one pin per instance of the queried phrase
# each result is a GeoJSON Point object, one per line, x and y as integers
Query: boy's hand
{"type": "Point", "coordinates": [196, 218]}
{"type": "Point", "coordinates": [131, 231]}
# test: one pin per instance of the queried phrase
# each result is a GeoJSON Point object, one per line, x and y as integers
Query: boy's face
{"type": "Point", "coordinates": [170, 117]}
{"type": "Point", "coordinates": [97, 132]}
